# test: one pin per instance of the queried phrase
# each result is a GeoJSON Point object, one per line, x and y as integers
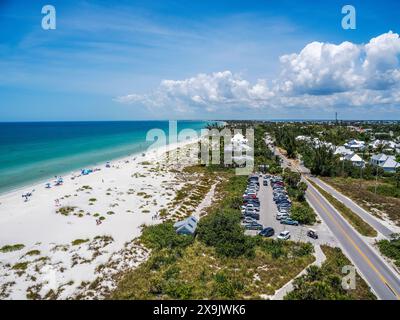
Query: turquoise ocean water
{"type": "Point", "coordinates": [31, 152]}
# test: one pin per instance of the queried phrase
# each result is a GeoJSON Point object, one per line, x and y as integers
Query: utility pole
{"type": "Point", "coordinates": [376, 178]}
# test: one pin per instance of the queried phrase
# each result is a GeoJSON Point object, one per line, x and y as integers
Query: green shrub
{"type": "Point", "coordinates": [386, 190]}
{"type": "Point", "coordinates": [164, 236]}
{"type": "Point", "coordinates": [77, 242]}
{"type": "Point", "coordinates": [391, 248]}
{"type": "Point", "coordinates": [9, 248]}
{"type": "Point", "coordinates": [20, 266]}
{"type": "Point", "coordinates": [303, 213]}
{"type": "Point", "coordinates": [223, 231]}
{"type": "Point", "coordinates": [33, 253]}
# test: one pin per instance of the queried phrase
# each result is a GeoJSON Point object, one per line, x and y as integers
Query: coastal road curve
{"type": "Point", "coordinates": [367, 217]}
{"type": "Point", "coordinates": [382, 279]}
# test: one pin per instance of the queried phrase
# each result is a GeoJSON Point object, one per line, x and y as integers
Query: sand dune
{"type": "Point", "coordinates": [63, 242]}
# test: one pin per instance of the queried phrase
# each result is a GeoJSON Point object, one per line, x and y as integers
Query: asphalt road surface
{"type": "Point", "coordinates": [383, 280]}
{"type": "Point", "coordinates": [367, 217]}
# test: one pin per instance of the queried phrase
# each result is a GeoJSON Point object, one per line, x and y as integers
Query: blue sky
{"type": "Point", "coordinates": [107, 60]}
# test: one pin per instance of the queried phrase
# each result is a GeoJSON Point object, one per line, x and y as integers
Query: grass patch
{"type": "Point", "coordinates": [391, 248]}
{"type": "Point", "coordinates": [221, 263]}
{"type": "Point", "coordinates": [21, 266]}
{"type": "Point", "coordinates": [359, 224]}
{"type": "Point", "coordinates": [386, 190]}
{"type": "Point", "coordinates": [325, 282]}
{"type": "Point", "coordinates": [198, 272]}
{"type": "Point", "coordinates": [10, 248]}
{"type": "Point", "coordinates": [66, 211]}
{"type": "Point", "coordinates": [77, 242]}
{"type": "Point", "coordinates": [363, 193]}
{"type": "Point", "coordinates": [33, 253]}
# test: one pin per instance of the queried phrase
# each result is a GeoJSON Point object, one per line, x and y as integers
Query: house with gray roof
{"type": "Point", "coordinates": [390, 164]}
{"type": "Point", "coordinates": [355, 159]}
{"type": "Point", "coordinates": [378, 159]}
{"type": "Point", "coordinates": [387, 163]}
{"type": "Point", "coordinates": [187, 226]}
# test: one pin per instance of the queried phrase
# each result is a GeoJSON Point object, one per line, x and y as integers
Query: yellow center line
{"type": "Point", "coordinates": [381, 277]}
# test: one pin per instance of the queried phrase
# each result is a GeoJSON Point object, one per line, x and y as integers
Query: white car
{"type": "Point", "coordinates": [281, 216]}
{"type": "Point", "coordinates": [250, 206]}
{"type": "Point", "coordinates": [284, 235]}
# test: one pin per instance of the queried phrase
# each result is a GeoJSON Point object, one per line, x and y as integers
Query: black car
{"type": "Point", "coordinates": [312, 234]}
{"type": "Point", "coordinates": [267, 232]}
{"type": "Point", "coordinates": [253, 215]}
{"type": "Point", "coordinates": [265, 183]}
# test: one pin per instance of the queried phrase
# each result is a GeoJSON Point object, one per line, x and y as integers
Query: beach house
{"type": "Point", "coordinates": [343, 151]}
{"type": "Point", "coordinates": [187, 226]}
{"type": "Point", "coordinates": [355, 159]}
{"type": "Point", "coordinates": [355, 145]}
{"type": "Point", "coordinates": [239, 139]}
{"type": "Point", "coordinates": [387, 163]}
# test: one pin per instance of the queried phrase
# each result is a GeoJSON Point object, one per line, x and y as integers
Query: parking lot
{"type": "Point", "coordinates": [268, 212]}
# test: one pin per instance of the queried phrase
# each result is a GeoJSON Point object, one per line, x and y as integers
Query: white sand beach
{"type": "Point", "coordinates": [64, 244]}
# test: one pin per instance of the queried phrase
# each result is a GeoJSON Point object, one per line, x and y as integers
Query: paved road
{"type": "Point", "coordinates": [384, 281]}
{"type": "Point", "coordinates": [370, 219]}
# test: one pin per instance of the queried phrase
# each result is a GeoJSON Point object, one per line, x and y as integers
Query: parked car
{"type": "Point", "coordinates": [312, 234]}
{"type": "Point", "coordinates": [267, 232]}
{"type": "Point", "coordinates": [255, 216]}
{"type": "Point", "coordinates": [253, 226]}
{"type": "Point", "coordinates": [284, 235]}
{"type": "Point", "coordinates": [281, 216]}
{"type": "Point", "coordinates": [265, 183]}
{"type": "Point", "coordinates": [290, 222]}
{"type": "Point", "coordinates": [252, 206]}
{"type": "Point", "coordinates": [248, 220]}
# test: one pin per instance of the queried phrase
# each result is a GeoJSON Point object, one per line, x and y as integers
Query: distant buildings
{"type": "Point", "coordinates": [348, 151]}
{"type": "Point", "coordinates": [242, 152]}
{"type": "Point", "coordinates": [386, 145]}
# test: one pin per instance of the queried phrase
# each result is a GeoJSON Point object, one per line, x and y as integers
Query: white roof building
{"type": "Point", "coordinates": [238, 138]}
{"type": "Point", "coordinates": [343, 151]}
{"type": "Point", "coordinates": [355, 144]}
{"type": "Point", "coordinates": [237, 148]}
{"type": "Point", "coordinates": [303, 138]}
{"type": "Point", "coordinates": [387, 163]}
{"type": "Point", "coordinates": [390, 164]}
{"type": "Point", "coordinates": [355, 159]}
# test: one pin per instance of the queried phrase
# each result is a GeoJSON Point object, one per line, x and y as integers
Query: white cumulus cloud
{"type": "Point", "coordinates": [321, 75]}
